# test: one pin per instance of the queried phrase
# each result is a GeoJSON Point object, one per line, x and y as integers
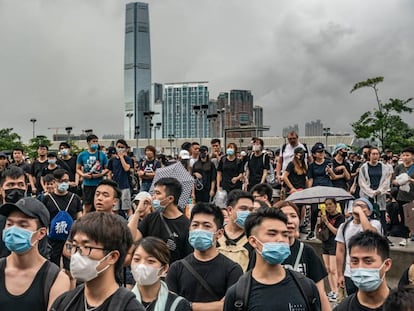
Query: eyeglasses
{"type": "Point", "coordinates": [83, 250]}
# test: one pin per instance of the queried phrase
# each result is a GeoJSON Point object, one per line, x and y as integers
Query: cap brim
{"type": "Point", "coordinates": [7, 208]}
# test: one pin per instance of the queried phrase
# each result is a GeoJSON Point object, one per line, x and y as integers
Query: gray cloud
{"type": "Point", "coordinates": [61, 61]}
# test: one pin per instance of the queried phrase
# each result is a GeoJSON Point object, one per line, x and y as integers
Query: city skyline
{"type": "Point", "coordinates": [299, 59]}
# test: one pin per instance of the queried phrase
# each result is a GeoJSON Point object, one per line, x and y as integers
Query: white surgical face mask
{"type": "Point", "coordinates": [83, 268]}
{"type": "Point", "coordinates": [144, 274]}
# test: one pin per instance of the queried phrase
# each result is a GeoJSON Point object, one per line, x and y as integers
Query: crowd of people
{"type": "Point", "coordinates": [100, 230]}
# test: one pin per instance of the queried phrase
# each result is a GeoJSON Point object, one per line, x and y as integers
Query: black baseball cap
{"type": "Point", "coordinates": [29, 206]}
{"type": "Point", "coordinates": [318, 147]}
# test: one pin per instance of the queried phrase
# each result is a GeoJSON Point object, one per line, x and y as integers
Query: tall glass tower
{"type": "Point", "coordinates": [137, 71]}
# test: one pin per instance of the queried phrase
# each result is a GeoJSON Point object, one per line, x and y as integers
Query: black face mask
{"type": "Point", "coordinates": [203, 155]}
{"type": "Point", "coordinates": [344, 154]}
{"type": "Point", "coordinates": [14, 195]}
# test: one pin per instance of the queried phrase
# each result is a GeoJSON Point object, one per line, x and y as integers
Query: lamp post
{"type": "Point", "coordinates": [196, 109]}
{"type": "Point", "coordinates": [212, 120]}
{"type": "Point", "coordinates": [203, 111]}
{"type": "Point", "coordinates": [221, 113]}
{"type": "Point", "coordinates": [326, 133]}
{"type": "Point", "coordinates": [156, 127]}
{"type": "Point", "coordinates": [171, 140]}
{"type": "Point", "coordinates": [33, 120]}
{"type": "Point", "coordinates": [148, 118]}
{"type": "Point", "coordinates": [136, 137]}
{"type": "Point", "coordinates": [129, 116]}
{"type": "Point", "coordinates": [68, 131]}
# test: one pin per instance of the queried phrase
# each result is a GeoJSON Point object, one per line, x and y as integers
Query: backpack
{"type": "Point", "coordinates": [235, 251]}
{"type": "Point", "coordinates": [61, 224]}
{"type": "Point", "coordinates": [271, 177]}
{"type": "Point", "coordinates": [51, 273]}
{"type": "Point", "coordinates": [243, 287]}
{"type": "Point", "coordinates": [120, 299]}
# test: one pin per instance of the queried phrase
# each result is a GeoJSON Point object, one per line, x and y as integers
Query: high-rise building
{"type": "Point", "coordinates": [156, 106]}
{"type": "Point", "coordinates": [137, 71]}
{"type": "Point", "coordinates": [185, 110]}
{"type": "Point", "coordinates": [290, 128]}
{"type": "Point", "coordinates": [314, 128]}
{"type": "Point", "coordinates": [258, 118]}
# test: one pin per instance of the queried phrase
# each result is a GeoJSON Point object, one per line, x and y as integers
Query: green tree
{"type": "Point", "coordinates": [9, 140]}
{"type": "Point", "coordinates": [34, 145]}
{"type": "Point", "coordinates": [384, 123]}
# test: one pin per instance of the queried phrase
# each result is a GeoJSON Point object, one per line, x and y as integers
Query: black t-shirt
{"type": "Point", "coordinates": [298, 181]}
{"type": "Point", "coordinates": [46, 170]}
{"type": "Point", "coordinates": [79, 304]}
{"type": "Point", "coordinates": [152, 225]}
{"type": "Point", "coordinates": [208, 172]}
{"type": "Point", "coordinates": [69, 165]}
{"type": "Point", "coordinates": [183, 304]}
{"type": "Point", "coordinates": [230, 169]}
{"type": "Point", "coordinates": [352, 303]}
{"type": "Point", "coordinates": [62, 201]}
{"type": "Point", "coordinates": [310, 263]}
{"type": "Point", "coordinates": [36, 171]}
{"type": "Point", "coordinates": [375, 174]}
{"type": "Point", "coordinates": [317, 172]}
{"type": "Point", "coordinates": [282, 296]}
{"type": "Point", "coordinates": [336, 221]}
{"type": "Point", "coordinates": [256, 166]}
{"type": "Point", "coordinates": [220, 273]}
{"type": "Point", "coordinates": [341, 182]}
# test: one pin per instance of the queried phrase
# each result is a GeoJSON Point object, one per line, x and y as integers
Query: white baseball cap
{"type": "Point", "coordinates": [142, 195]}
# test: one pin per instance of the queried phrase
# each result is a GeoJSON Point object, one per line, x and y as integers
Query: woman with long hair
{"type": "Point", "coordinates": [150, 263]}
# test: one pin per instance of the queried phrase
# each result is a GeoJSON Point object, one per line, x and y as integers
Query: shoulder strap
{"type": "Point", "coordinates": [175, 303]}
{"type": "Point", "coordinates": [69, 298]}
{"type": "Point", "coordinates": [2, 263]}
{"type": "Point", "coordinates": [410, 170]}
{"type": "Point", "coordinates": [54, 201]}
{"type": "Point", "coordinates": [70, 201]}
{"type": "Point", "coordinates": [283, 149]}
{"type": "Point", "coordinates": [121, 299]}
{"type": "Point", "coordinates": [200, 280]}
{"type": "Point", "coordinates": [298, 257]}
{"type": "Point", "coordinates": [166, 226]}
{"type": "Point", "coordinates": [243, 286]}
{"type": "Point", "coordinates": [304, 288]}
{"type": "Point", "coordinates": [51, 274]}
{"type": "Point", "coordinates": [343, 231]}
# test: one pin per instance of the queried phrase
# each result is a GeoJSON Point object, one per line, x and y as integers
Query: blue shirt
{"type": "Point", "coordinates": [119, 174]}
{"type": "Point", "coordinates": [92, 162]}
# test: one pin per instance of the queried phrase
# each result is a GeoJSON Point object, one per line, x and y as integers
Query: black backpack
{"type": "Point", "coordinates": [120, 299]}
{"type": "Point", "coordinates": [243, 287]}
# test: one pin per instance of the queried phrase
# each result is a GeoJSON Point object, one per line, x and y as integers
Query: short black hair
{"type": "Point", "coordinates": [186, 146]}
{"type": "Point", "coordinates": [401, 299]}
{"type": "Point", "coordinates": [235, 195]}
{"type": "Point", "coordinates": [64, 144]}
{"type": "Point", "coordinates": [51, 154]}
{"type": "Point", "coordinates": [408, 149]}
{"type": "Point", "coordinates": [255, 219]}
{"type": "Point", "coordinates": [194, 143]}
{"type": "Point", "coordinates": [48, 178]}
{"type": "Point", "coordinates": [58, 174]}
{"type": "Point", "coordinates": [215, 141]}
{"type": "Point", "coordinates": [209, 209]}
{"type": "Point", "coordinates": [113, 185]}
{"type": "Point", "coordinates": [371, 240]}
{"type": "Point", "coordinates": [91, 137]}
{"type": "Point", "coordinates": [172, 187]}
{"type": "Point", "coordinates": [12, 172]}
{"type": "Point", "coordinates": [122, 142]}
{"type": "Point", "coordinates": [18, 149]}
{"type": "Point", "coordinates": [263, 189]}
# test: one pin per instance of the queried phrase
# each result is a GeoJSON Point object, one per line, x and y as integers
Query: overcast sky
{"type": "Point", "coordinates": [61, 61]}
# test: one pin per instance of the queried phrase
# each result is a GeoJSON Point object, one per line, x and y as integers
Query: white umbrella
{"type": "Point", "coordinates": [319, 194]}
{"type": "Point", "coordinates": [179, 172]}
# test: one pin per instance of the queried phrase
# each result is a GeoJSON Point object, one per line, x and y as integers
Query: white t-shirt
{"type": "Point", "coordinates": [288, 154]}
{"type": "Point", "coordinates": [351, 230]}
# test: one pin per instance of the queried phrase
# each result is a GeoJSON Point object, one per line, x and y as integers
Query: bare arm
{"type": "Point", "coordinates": [218, 179]}
{"type": "Point", "coordinates": [61, 285]}
{"type": "Point", "coordinates": [340, 259]}
{"type": "Point", "coordinates": [208, 306]}
{"type": "Point", "coordinates": [326, 306]}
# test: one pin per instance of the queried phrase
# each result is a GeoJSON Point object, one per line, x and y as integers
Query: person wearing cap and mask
{"type": "Point", "coordinates": [370, 262]}
{"type": "Point", "coordinates": [28, 281]}
{"type": "Point", "coordinates": [361, 211]}
{"type": "Point", "coordinates": [145, 207]}
{"type": "Point", "coordinates": [205, 173]}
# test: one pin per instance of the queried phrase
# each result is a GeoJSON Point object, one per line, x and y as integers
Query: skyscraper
{"type": "Point", "coordinates": [185, 109]}
{"type": "Point", "coordinates": [258, 118]}
{"type": "Point", "coordinates": [137, 70]}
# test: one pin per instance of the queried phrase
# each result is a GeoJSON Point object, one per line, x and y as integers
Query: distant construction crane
{"type": "Point", "coordinates": [56, 129]}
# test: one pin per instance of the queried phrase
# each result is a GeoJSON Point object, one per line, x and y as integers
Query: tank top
{"type": "Point", "coordinates": [31, 299]}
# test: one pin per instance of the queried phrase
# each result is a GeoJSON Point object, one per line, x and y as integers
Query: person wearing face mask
{"type": "Point", "coordinates": [13, 188]}
{"type": "Point", "coordinates": [119, 170]}
{"type": "Point", "coordinates": [99, 243]}
{"type": "Point", "coordinates": [68, 162]}
{"type": "Point", "coordinates": [149, 263]}
{"type": "Point", "coordinates": [49, 169]}
{"type": "Point", "coordinates": [370, 262]}
{"type": "Point", "coordinates": [205, 173]}
{"type": "Point", "coordinates": [91, 165]}
{"type": "Point", "coordinates": [28, 281]}
{"type": "Point", "coordinates": [65, 204]}
{"type": "Point", "coordinates": [167, 222]}
{"type": "Point", "coordinates": [204, 276]}
{"type": "Point", "coordinates": [258, 164]}
{"type": "Point", "coordinates": [233, 243]}
{"type": "Point", "coordinates": [268, 285]}
{"type": "Point", "coordinates": [230, 170]}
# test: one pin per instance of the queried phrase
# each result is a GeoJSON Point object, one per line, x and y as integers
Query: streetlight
{"type": "Point", "coordinates": [136, 137]}
{"type": "Point", "coordinates": [129, 116]}
{"type": "Point", "coordinates": [203, 111]}
{"type": "Point", "coordinates": [326, 133]}
{"type": "Point", "coordinates": [171, 140]}
{"type": "Point", "coordinates": [68, 131]}
{"type": "Point", "coordinates": [33, 120]}
{"type": "Point", "coordinates": [212, 120]}
{"type": "Point", "coordinates": [196, 111]}
{"type": "Point", "coordinates": [156, 127]}
{"type": "Point", "coordinates": [148, 118]}
{"type": "Point", "coordinates": [221, 113]}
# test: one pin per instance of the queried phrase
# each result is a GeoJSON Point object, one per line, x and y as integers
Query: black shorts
{"type": "Point", "coordinates": [329, 249]}
{"type": "Point", "coordinates": [88, 194]}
